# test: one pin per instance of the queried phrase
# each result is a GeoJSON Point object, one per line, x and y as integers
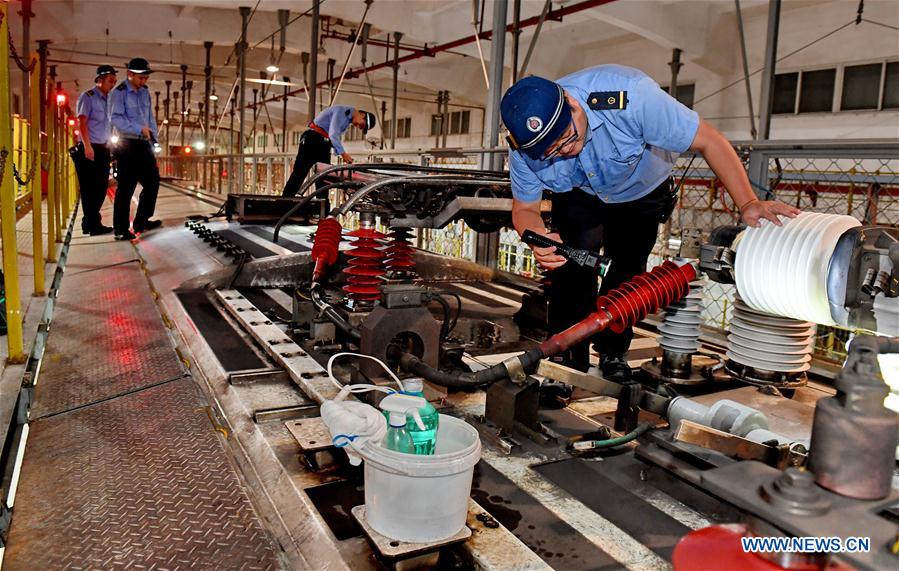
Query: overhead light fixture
{"type": "Point", "coordinates": [165, 121]}
{"type": "Point", "coordinates": [213, 96]}
{"type": "Point", "coordinates": [272, 66]}
{"type": "Point", "coordinates": [270, 81]}
{"type": "Point", "coordinates": [199, 145]}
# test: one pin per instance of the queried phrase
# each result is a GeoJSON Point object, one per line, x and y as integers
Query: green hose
{"type": "Point", "coordinates": [612, 442]}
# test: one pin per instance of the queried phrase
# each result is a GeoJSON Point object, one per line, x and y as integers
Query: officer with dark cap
{"type": "Point", "coordinates": [324, 133]}
{"type": "Point", "coordinates": [131, 116]}
{"type": "Point", "coordinates": [91, 156]}
{"type": "Point", "coordinates": [604, 141]}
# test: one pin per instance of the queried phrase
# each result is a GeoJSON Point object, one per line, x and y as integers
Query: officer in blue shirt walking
{"type": "Point", "coordinates": [603, 141]}
{"type": "Point", "coordinates": [324, 133]}
{"type": "Point", "coordinates": [131, 116]}
{"type": "Point", "coordinates": [91, 156]}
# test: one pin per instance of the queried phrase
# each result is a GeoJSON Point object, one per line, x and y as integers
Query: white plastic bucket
{"type": "Point", "coordinates": [420, 499]}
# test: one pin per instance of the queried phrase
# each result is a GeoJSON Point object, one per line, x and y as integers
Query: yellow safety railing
{"type": "Point", "coordinates": [32, 164]}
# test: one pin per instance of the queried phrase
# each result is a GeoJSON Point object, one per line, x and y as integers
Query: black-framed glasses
{"type": "Point", "coordinates": [562, 144]}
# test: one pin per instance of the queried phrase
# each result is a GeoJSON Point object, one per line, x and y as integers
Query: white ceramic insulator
{"type": "Point", "coordinates": [782, 270]}
{"type": "Point", "coordinates": [769, 342]}
{"type": "Point", "coordinates": [681, 322]}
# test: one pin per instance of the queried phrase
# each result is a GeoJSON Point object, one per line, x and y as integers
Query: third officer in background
{"type": "Point", "coordinates": [131, 116]}
{"type": "Point", "coordinates": [324, 133]}
{"type": "Point", "coordinates": [92, 153]}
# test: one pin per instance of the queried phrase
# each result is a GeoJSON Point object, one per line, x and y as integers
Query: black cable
{"type": "Point", "coordinates": [240, 264]}
{"type": "Point", "coordinates": [306, 200]}
{"type": "Point", "coordinates": [880, 24]}
{"type": "Point", "coordinates": [444, 326]}
{"type": "Point", "coordinates": [458, 309]}
{"type": "Point", "coordinates": [412, 364]}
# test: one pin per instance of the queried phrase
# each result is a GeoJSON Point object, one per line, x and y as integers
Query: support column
{"type": "Point", "coordinates": [241, 89]}
{"type": "Point", "coordinates": [284, 119]}
{"type": "Point", "coordinates": [166, 107]}
{"type": "Point", "coordinates": [183, 118]}
{"type": "Point", "coordinates": [8, 205]}
{"type": "Point", "coordinates": [675, 65]}
{"type": "Point", "coordinates": [766, 104]}
{"type": "Point", "coordinates": [397, 36]}
{"type": "Point", "coordinates": [487, 245]}
{"type": "Point", "coordinates": [516, 33]}
{"type": "Point", "coordinates": [25, 49]}
{"type": "Point", "coordinates": [207, 91]}
{"type": "Point", "coordinates": [34, 145]}
{"type": "Point", "coordinates": [752, 130]}
{"type": "Point", "coordinates": [312, 90]}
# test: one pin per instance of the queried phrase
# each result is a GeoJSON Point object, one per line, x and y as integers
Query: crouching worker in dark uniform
{"type": "Point", "coordinates": [604, 140]}
{"type": "Point", "coordinates": [131, 115]}
{"type": "Point", "coordinates": [323, 134]}
{"type": "Point", "coordinates": [91, 156]}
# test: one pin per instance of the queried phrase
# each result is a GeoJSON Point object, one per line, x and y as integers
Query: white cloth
{"type": "Point", "coordinates": [352, 424]}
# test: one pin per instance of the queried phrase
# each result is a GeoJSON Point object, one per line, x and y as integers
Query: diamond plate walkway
{"type": "Point", "coordinates": [123, 468]}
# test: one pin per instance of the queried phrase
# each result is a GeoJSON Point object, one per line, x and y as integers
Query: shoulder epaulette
{"type": "Point", "coordinates": [121, 86]}
{"type": "Point", "coordinates": [90, 92]}
{"type": "Point", "coordinates": [607, 100]}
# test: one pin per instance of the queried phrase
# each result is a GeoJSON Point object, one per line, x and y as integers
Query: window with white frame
{"type": "Point", "coordinates": [403, 128]}
{"type": "Point", "coordinates": [860, 87]}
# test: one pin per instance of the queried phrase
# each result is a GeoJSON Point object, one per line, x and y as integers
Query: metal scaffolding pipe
{"type": "Point", "coordinates": [766, 105]}
{"type": "Point", "coordinates": [487, 245]}
{"type": "Point", "coordinates": [242, 87]}
{"type": "Point", "coordinates": [752, 130]}
{"type": "Point", "coordinates": [397, 36]}
{"type": "Point", "coordinates": [25, 50]}
{"type": "Point", "coordinates": [207, 91]}
{"type": "Point", "coordinates": [516, 32]}
{"type": "Point", "coordinates": [311, 85]}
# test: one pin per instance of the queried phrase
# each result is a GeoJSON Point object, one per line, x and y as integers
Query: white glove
{"type": "Point", "coordinates": [352, 424]}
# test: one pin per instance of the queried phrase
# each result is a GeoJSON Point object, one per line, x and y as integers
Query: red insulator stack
{"type": "Point", "coordinates": [365, 266]}
{"type": "Point", "coordinates": [626, 305]}
{"type": "Point", "coordinates": [399, 252]}
{"type": "Point", "coordinates": [325, 246]}
{"type": "Point", "coordinates": [646, 293]}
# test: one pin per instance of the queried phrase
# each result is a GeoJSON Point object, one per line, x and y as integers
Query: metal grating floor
{"type": "Point", "coordinates": [137, 482]}
{"type": "Point", "coordinates": [123, 468]}
{"type": "Point", "coordinates": [106, 339]}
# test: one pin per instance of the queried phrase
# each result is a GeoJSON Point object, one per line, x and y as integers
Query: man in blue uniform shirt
{"type": "Point", "coordinates": [604, 140]}
{"type": "Point", "coordinates": [323, 134]}
{"type": "Point", "coordinates": [92, 153]}
{"type": "Point", "coordinates": [131, 115]}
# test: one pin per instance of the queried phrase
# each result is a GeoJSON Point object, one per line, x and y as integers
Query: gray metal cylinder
{"type": "Point", "coordinates": [853, 454]}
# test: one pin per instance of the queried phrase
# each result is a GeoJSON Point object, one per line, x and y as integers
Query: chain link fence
{"type": "Point", "coordinates": [860, 181]}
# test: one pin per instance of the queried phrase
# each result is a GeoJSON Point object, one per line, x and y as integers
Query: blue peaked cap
{"type": "Point", "coordinates": [536, 114]}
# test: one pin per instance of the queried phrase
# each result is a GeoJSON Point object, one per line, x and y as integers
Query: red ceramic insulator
{"type": "Point", "coordinates": [325, 246]}
{"type": "Point", "coordinates": [627, 304]}
{"type": "Point", "coordinates": [646, 293]}
{"type": "Point", "coordinates": [365, 266]}
{"type": "Point", "coordinates": [399, 251]}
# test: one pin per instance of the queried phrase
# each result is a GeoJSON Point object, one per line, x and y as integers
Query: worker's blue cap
{"type": "Point", "coordinates": [535, 113]}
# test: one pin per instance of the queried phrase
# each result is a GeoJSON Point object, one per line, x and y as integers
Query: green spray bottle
{"type": "Point", "coordinates": [398, 406]}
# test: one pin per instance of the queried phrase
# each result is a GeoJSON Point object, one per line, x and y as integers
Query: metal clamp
{"type": "Point", "coordinates": [515, 369]}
